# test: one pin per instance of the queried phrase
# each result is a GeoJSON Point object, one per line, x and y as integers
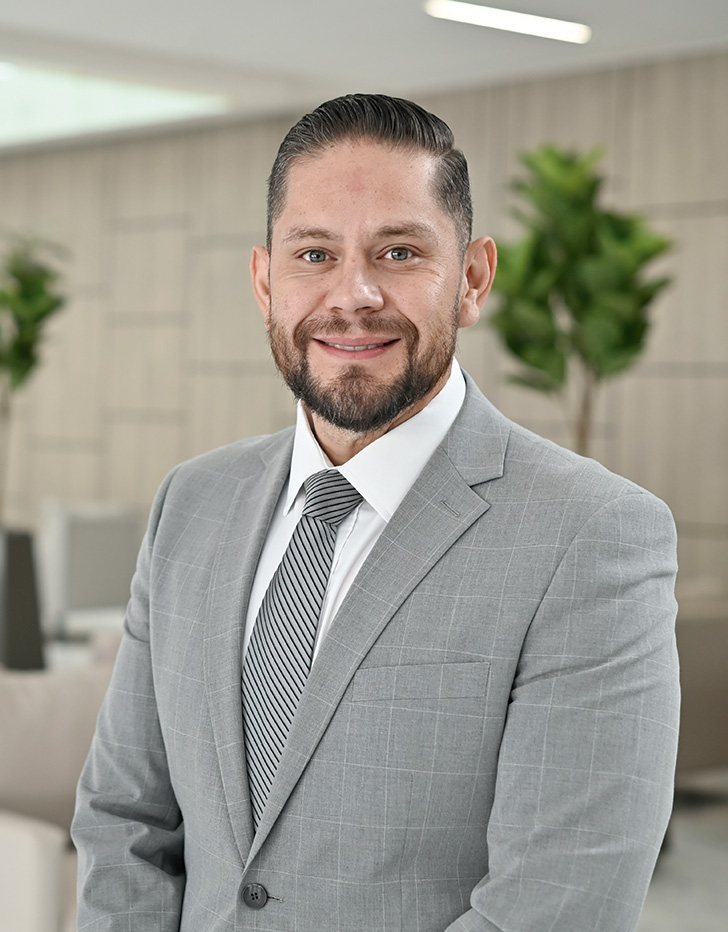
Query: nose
{"type": "Point", "coordinates": [354, 287]}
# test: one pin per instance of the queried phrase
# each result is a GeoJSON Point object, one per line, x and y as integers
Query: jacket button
{"type": "Point", "coordinates": [255, 895]}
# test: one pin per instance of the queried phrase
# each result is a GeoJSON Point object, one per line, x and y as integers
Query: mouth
{"type": "Point", "coordinates": [356, 347]}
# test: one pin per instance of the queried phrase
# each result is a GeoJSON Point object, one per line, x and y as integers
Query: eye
{"type": "Point", "coordinates": [399, 253]}
{"type": "Point", "coordinates": [315, 255]}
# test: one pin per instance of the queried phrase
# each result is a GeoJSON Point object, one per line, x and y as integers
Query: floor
{"type": "Point", "coordinates": [689, 892]}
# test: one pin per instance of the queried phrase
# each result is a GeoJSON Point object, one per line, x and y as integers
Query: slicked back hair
{"type": "Point", "coordinates": [391, 121]}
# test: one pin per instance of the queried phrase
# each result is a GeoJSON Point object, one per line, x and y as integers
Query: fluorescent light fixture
{"type": "Point", "coordinates": [37, 105]}
{"type": "Point", "coordinates": [7, 71]}
{"type": "Point", "coordinates": [493, 18]}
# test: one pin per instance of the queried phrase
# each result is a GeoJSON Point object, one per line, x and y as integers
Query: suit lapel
{"type": "Point", "coordinates": [439, 508]}
{"type": "Point", "coordinates": [242, 539]}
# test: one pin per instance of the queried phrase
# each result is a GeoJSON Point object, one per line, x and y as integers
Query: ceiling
{"type": "Point", "coordinates": [282, 55]}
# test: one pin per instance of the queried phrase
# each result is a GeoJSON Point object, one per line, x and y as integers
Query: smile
{"type": "Point", "coordinates": [356, 349]}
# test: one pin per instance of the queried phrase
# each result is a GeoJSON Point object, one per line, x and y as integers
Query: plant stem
{"type": "Point", "coordinates": [584, 418]}
{"type": "Point", "coordinates": [4, 439]}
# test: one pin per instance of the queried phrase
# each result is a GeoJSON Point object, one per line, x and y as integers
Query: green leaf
{"type": "Point", "coordinates": [575, 283]}
{"type": "Point", "coordinates": [28, 297]}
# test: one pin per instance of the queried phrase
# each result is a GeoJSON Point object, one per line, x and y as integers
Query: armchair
{"type": "Point", "coordinates": [46, 724]}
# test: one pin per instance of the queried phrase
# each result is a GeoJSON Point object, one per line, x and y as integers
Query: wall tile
{"type": "Point", "coordinates": [679, 132]}
{"type": "Point", "coordinates": [151, 177]}
{"type": "Point", "coordinates": [690, 323]}
{"type": "Point", "coordinates": [66, 387]}
{"type": "Point", "coordinates": [69, 472]}
{"type": "Point", "coordinates": [145, 365]}
{"type": "Point", "coordinates": [578, 113]}
{"type": "Point", "coordinates": [702, 563]}
{"type": "Point", "coordinates": [225, 323]}
{"type": "Point", "coordinates": [19, 459]}
{"type": "Point", "coordinates": [14, 190]}
{"type": "Point", "coordinates": [137, 456]}
{"type": "Point", "coordinates": [478, 354]}
{"type": "Point", "coordinates": [673, 439]}
{"type": "Point", "coordinates": [231, 405]}
{"type": "Point", "coordinates": [230, 169]}
{"type": "Point", "coordinates": [61, 184]}
{"type": "Point", "coordinates": [149, 271]}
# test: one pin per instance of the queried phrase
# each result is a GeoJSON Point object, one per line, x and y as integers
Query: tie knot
{"type": "Point", "coordinates": [329, 497]}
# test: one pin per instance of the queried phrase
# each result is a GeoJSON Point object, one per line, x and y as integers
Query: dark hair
{"type": "Point", "coordinates": [392, 121]}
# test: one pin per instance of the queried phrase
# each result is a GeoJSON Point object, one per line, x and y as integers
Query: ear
{"type": "Point", "coordinates": [478, 274]}
{"type": "Point", "coordinates": [260, 279]}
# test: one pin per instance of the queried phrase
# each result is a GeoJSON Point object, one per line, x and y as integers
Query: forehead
{"type": "Point", "coordinates": [357, 182]}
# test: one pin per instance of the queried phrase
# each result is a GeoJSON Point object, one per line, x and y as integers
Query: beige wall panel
{"type": "Point", "coordinates": [67, 204]}
{"type": "Point", "coordinates": [144, 367]}
{"type": "Point", "coordinates": [489, 167]}
{"type": "Point", "coordinates": [69, 473]}
{"type": "Point", "coordinates": [151, 177]}
{"type": "Point", "coordinates": [478, 355]}
{"type": "Point", "coordinates": [225, 323]}
{"type": "Point", "coordinates": [576, 113]}
{"type": "Point", "coordinates": [137, 457]}
{"type": "Point", "coordinates": [703, 563]}
{"type": "Point", "coordinates": [148, 271]}
{"type": "Point", "coordinates": [679, 132]}
{"type": "Point", "coordinates": [230, 170]}
{"type": "Point", "coordinates": [16, 492]}
{"type": "Point", "coordinates": [67, 386]}
{"type": "Point", "coordinates": [14, 211]}
{"type": "Point", "coordinates": [690, 323]}
{"type": "Point", "coordinates": [673, 439]}
{"type": "Point", "coordinates": [230, 406]}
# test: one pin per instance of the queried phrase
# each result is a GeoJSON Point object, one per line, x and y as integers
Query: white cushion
{"type": "Point", "coordinates": [47, 721]}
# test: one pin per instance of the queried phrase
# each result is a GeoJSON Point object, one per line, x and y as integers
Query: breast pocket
{"type": "Point", "coordinates": [419, 717]}
{"type": "Point", "coordinates": [427, 681]}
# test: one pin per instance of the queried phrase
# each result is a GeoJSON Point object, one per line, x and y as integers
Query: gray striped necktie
{"type": "Point", "coordinates": [278, 659]}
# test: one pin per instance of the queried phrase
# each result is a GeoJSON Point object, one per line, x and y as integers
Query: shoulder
{"type": "Point", "coordinates": [547, 479]}
{"type": "Point", "coordinates": [236, 459]}
{"type": "Point", "coordinates": [208, 482]}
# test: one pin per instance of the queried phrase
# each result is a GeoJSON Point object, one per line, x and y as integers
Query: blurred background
{"type": "Point", "coordinates": [139, 137]}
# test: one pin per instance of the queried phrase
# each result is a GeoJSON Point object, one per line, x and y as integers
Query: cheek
{"type": "Point", "coordinates": [295, 301]}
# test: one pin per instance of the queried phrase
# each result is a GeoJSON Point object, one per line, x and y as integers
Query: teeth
{"type": "Point", "coordinates": [355, 349]}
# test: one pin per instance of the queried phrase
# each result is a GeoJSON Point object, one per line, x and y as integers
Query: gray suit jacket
{"type": "Point", "coordinates": [487, 737]}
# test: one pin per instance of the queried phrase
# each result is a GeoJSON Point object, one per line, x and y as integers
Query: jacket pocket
{"type": "Point", "coordinates": [421, 681]}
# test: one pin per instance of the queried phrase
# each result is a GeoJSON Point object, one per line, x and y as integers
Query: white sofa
{"type": "Point", "coordinates": [46, 723]}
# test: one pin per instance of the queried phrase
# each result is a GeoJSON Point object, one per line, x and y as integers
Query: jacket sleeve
{"type": "Point", "coordinates": [128, 828]}
{"type": "Point", "coordinates": [585, 772]}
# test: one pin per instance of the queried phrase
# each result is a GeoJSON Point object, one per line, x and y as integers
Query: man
{"type": "Point", "coordinates": [474, 727]}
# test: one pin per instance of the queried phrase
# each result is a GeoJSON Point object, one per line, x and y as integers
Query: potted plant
{"type": "Point", "coordinates": [28, 298]}
{"type": "Point", "coordinates": [575, 299]}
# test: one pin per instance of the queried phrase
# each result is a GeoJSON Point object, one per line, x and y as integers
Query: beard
{"type": "Point", "coordinates": [357, 401]}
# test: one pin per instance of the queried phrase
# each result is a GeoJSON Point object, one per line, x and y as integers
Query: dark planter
{"type": "Point", "coordinates": [21, 641]}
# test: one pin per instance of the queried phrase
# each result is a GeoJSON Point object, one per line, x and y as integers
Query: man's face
{"type": "Point", "coordinates": [365, 285]}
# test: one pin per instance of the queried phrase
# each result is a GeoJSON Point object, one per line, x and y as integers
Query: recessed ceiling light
{"type": "Point", "coordinates": [508, 20]}
{"type": "Point", "coordinates": [38, 105]}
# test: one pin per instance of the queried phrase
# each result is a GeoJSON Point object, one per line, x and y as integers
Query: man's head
{"type": "Point", "coordinates": [390, 121]}
{"type": "Point", "coordinates": [368, 274]}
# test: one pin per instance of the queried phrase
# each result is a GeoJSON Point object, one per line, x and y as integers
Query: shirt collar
{"type": "Point", "coordinates": [386, 469]}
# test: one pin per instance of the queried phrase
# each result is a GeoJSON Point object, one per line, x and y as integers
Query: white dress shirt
{"type": "Point", "coordinates": [383, 472]}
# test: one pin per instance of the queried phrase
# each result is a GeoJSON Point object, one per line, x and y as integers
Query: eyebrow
{"type": "Point", "coordinates": [396, 231]}
{"type": "Point", "coordinates": [299, 233]}
{"type": "Point", "coordinates": [405, 230]}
